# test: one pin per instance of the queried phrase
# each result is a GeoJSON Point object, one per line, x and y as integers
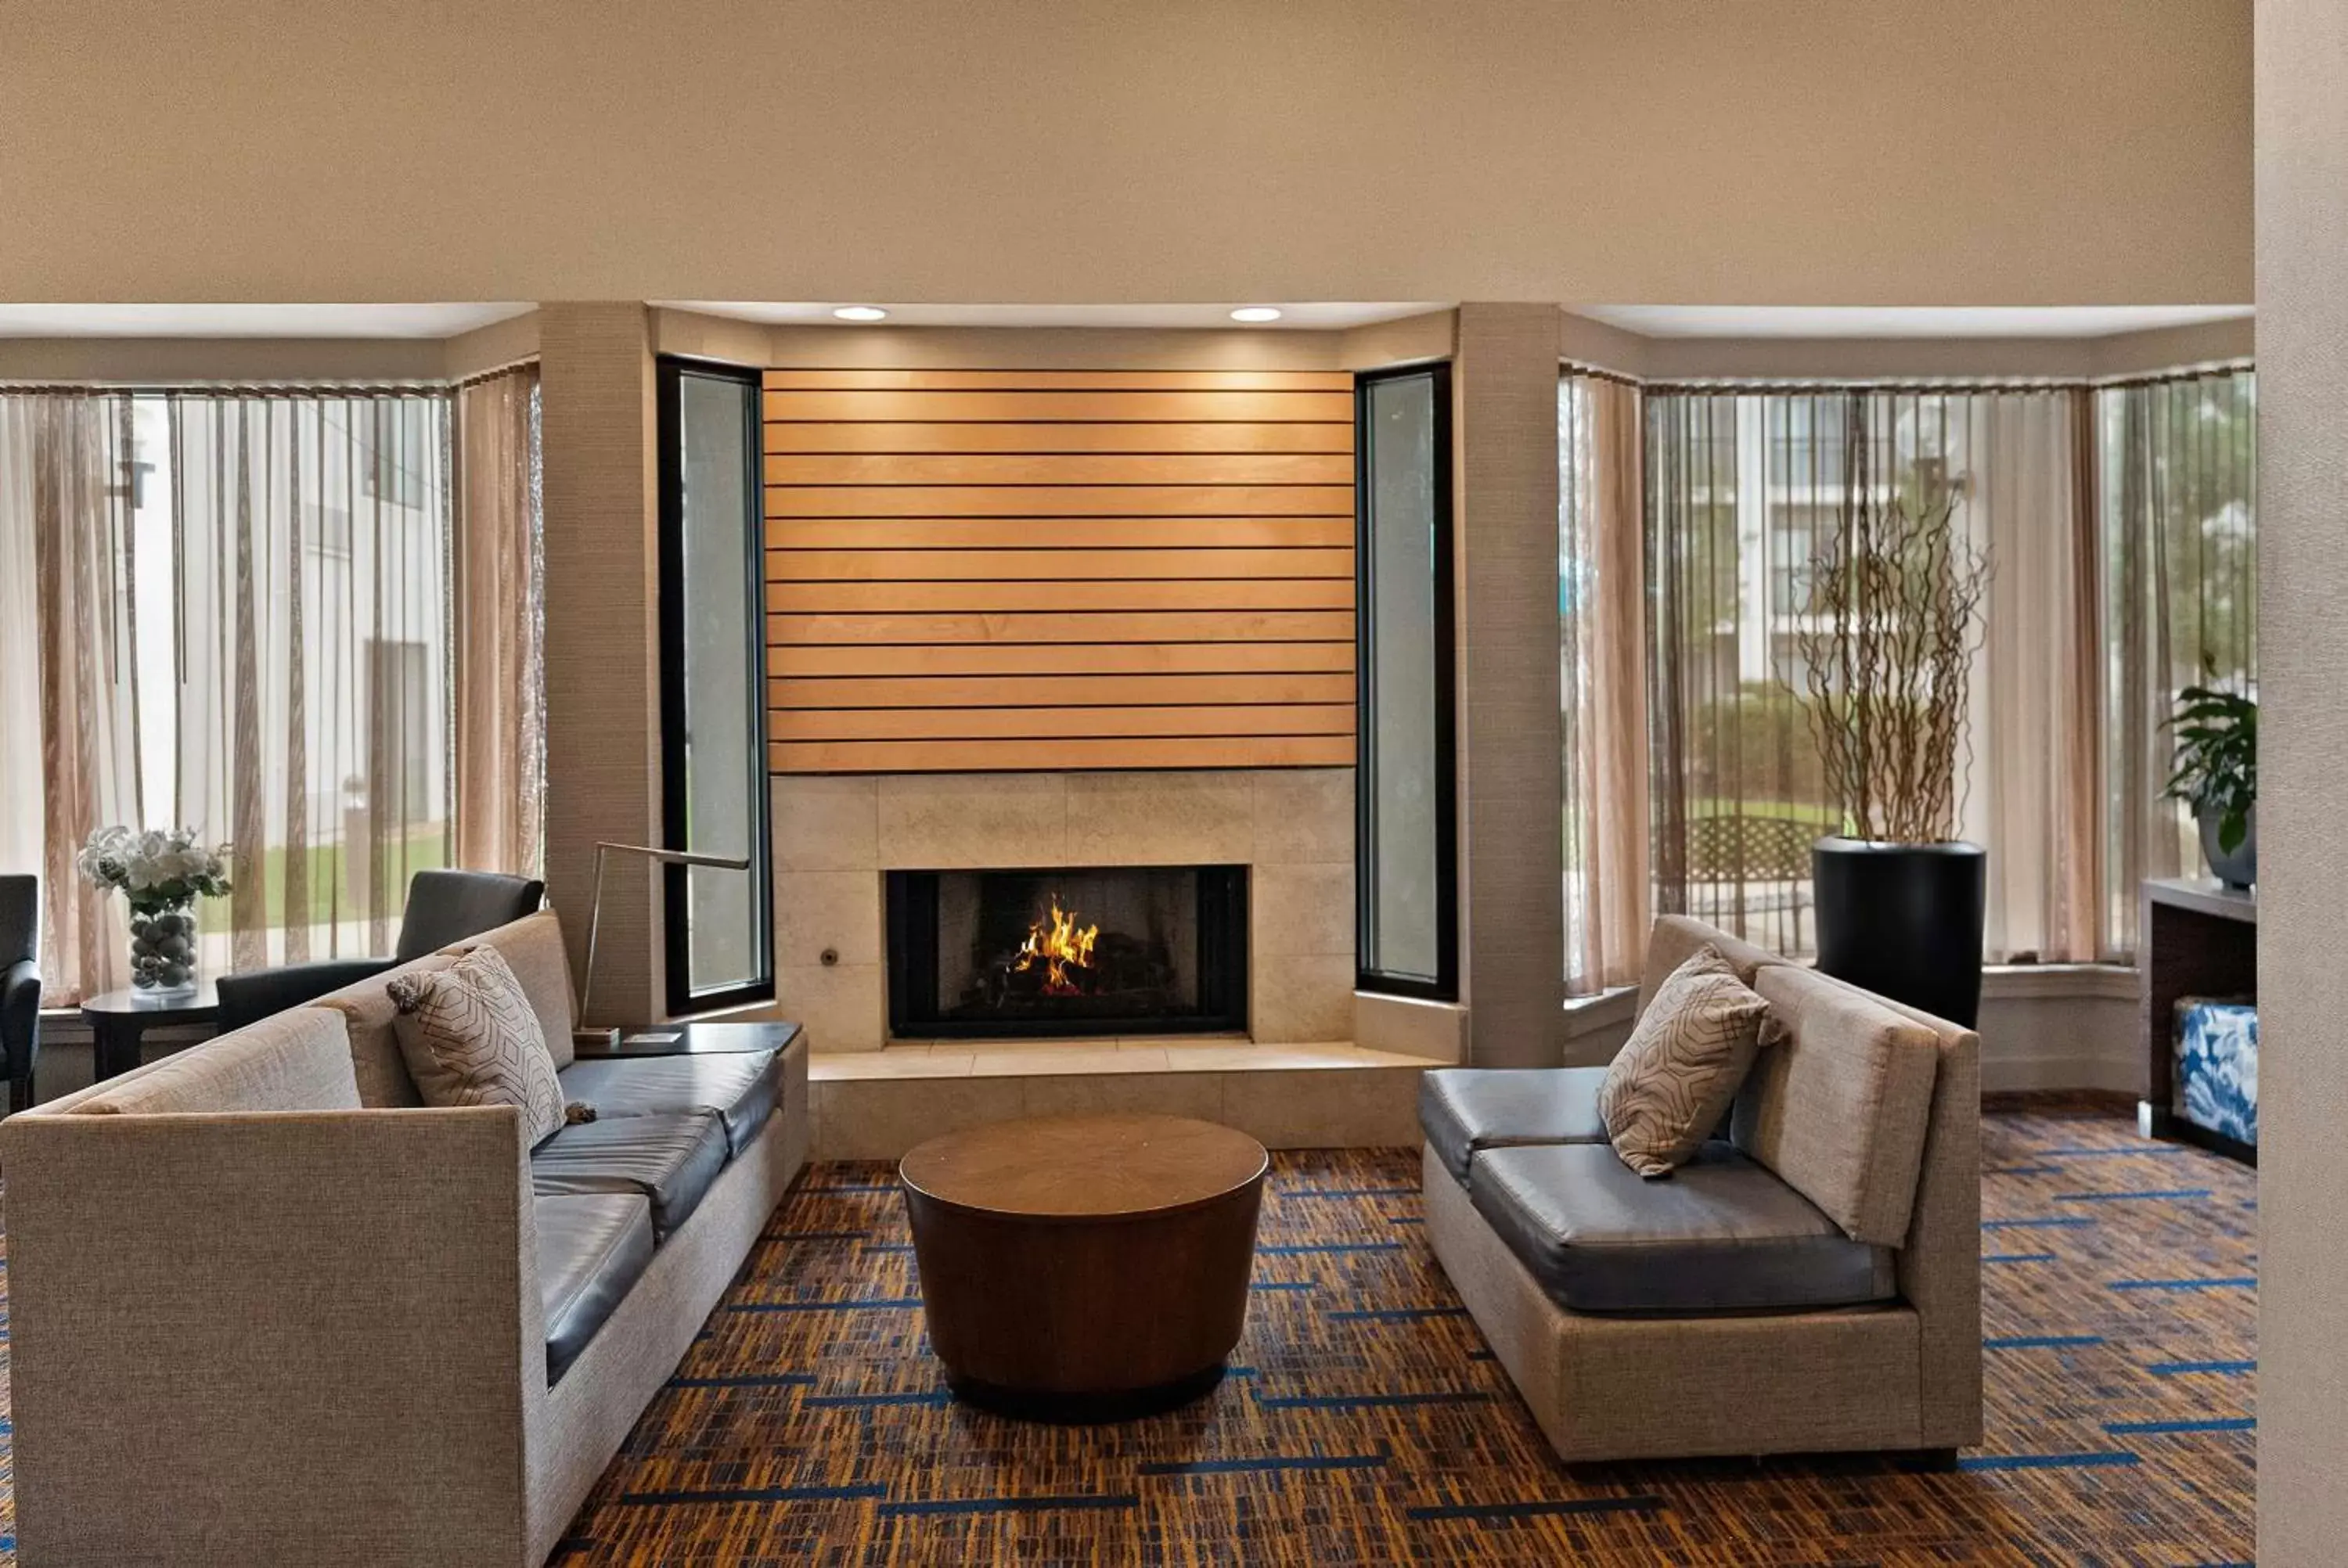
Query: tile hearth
{"type": "Point", "coordinates": [875, 1105]}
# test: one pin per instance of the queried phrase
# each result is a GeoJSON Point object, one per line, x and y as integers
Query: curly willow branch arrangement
{"type": "Point", "coordinates": [1895, 617]}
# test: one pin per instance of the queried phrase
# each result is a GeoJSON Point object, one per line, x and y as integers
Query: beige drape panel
{"type": "Point", "coordinates": [65, 498]}
{"type": "Point", "coordinates": [2178, 485]}
{"type": "Point", "coordinates": [311, 537]}
{"type": "Point", "coordinates": [1743, 485]}
{"type": "Point", "coordinates": [498, 575]}
{"type": "Point", "coordinates": [1602, 656]}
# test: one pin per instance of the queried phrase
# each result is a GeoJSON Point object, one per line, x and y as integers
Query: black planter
{"type": "Point", "coordinates": [1904, 920]}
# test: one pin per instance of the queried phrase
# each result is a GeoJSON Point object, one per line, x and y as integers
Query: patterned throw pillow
{"type": "Point", "coordinates": [1670, 1085]}
{"type": "Point", "coordinates": [472, 1038]}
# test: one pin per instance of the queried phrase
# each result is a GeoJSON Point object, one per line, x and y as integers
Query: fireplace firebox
{"type": "Point", "coordinates": [1075, 951]}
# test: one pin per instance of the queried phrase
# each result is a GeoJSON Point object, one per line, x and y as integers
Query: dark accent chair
{"type": "Point", "coordinates": [443, 907]}
{"type": "Point", "coordinates": [20, 983]}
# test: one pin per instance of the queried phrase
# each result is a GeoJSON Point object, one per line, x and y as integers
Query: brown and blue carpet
{"type": "Point", "coordinates": [1365, 1422]}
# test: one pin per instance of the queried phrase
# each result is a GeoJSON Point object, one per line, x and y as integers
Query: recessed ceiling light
{"type": "Point", "coordinates": [862, 314]}
{"type": "Point", "coordinates": [1256, 314]}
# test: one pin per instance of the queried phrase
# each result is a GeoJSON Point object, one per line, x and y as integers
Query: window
{"type": "Point", "coordinates": [713, 708]}
{"type": "Point", "coordinates": [1407, 941]}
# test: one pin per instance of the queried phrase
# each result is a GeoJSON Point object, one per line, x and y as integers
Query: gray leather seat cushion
{"type": "Point", "coordinates": [742, 1087]}
{"type": "Point", "coordinates": [592, 1249]}
{"type": "Point", "coordinates": [1463, 1110]}
{"type": "Point", "coordinates": [670, 1159]}
{"type": "Point", "coordinates": [1720, 1235]}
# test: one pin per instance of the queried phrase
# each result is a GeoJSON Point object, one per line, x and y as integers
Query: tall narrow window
{"type": "Point", "coordinates": [713, 716]}
{"type": "Point", "coordinates": [1406, 861]}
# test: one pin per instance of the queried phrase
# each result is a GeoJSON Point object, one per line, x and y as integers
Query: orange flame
{"type": "Point", "coordinates": [1058, 946]}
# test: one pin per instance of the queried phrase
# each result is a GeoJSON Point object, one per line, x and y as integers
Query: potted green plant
{"type": "Point", "coordinates": [1895, 618]}
{"type": "Point", "coordinates": [2218, 774]}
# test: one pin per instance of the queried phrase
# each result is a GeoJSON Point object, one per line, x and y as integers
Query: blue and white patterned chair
{"type": "Point", "coordinates": [2218, 1067]}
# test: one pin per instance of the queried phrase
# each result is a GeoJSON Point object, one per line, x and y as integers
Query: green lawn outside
{"type": "Point", "coordinates": [330, 895]}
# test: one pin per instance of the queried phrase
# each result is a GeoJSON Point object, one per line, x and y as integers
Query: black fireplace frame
{"type": "Point", "coordinates": [911, 960]}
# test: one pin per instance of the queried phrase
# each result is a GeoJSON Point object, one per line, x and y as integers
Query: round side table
{"type": "Point", "coordinates": [1085, 1268]}
{"type": "Point", "coordinates": [118, 1020]}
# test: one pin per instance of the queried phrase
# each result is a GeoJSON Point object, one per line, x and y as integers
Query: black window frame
{"type": "Point", "coordinates": [1443, 986]}
{"type": "Point", "coordinates": [675, 907]}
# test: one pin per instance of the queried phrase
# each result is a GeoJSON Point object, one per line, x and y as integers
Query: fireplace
{"type": "Point", "coordinates": [1076, 952]}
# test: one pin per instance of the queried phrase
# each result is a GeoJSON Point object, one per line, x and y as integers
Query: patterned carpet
{"type": "Point", "coordinates": [1365, 1423]}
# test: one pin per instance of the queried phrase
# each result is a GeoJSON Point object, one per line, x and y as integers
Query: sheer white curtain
{"type": "Point", "coordinates": [311, 534]}
{"type": "Point", "coordinates": [498, 573]}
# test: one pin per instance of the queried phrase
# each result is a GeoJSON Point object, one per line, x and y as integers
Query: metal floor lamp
{"type": "Point", "coordinates": [595, 911]}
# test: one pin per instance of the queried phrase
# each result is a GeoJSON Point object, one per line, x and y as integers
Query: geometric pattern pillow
{"type": "Point", "coordinates": [472, 1038]}
{"type": "Point", "coordinates": [1668, 1088]}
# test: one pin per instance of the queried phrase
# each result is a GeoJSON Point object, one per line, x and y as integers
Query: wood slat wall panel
{"type": "Point", "coordinates": [1078, 752]}
{"type": "Point", "coordinates": [1067, 436]}
{"type": "Point", "coordinates": [1058, 533]}
{"type": "Point", "coordinates": [1053, 659]}
{"type": "Point", "coordinates": [951, 629]}
{"type": "Point", "coordinates": [1058, 570]}
{"type": "Point", "coordinates": [1059, 500]}
{"type": "Point", "coordinates": [1063, 469]}
{"type": "Point", "coordinates": [1086, 407]}
{"type": "Point", "coordinates": [1027, 564]}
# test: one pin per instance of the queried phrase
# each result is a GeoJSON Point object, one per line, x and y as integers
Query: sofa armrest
{"type": "Point", "coordinates": [304, 1337]}
{"type": "Point", "coordinates": [258, 994]}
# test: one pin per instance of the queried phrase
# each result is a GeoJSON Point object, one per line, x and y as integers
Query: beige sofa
{"type": "Point", "coordinates": [1812, 1283]}
{"type": "Point", "coordinates": [266, 1311]}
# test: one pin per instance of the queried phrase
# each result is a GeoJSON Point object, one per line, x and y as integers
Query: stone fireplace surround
{"type": "Point", "coordinates": [836, 835]}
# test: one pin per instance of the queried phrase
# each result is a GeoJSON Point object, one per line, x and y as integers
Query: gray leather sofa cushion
{"type": "Point", "coordinates": [1463, 1110]}
{"type": "Point", "coordinates": [670, 1160]}
{"type": "Point", "coordinates": [592, 1250]}
{"type": "Point", "coordinates": [741, 1087]}
{"type": "Point", "coordinates": [1720, 1235]}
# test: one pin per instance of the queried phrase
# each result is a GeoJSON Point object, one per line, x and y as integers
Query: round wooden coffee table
{"type": "Point", "coordinates": [1085, 1268]}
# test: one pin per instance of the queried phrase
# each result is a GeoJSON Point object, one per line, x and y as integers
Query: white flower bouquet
{"type": "Point", "coordinates": [161, 875]}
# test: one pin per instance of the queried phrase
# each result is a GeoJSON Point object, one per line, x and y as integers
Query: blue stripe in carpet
{"type": "Point", "coordinates": [2148, 1150]}
{"type": "Point", "coordinates": [1405, 1220]}
{"type": "Point", "coordinates": [1398, 1314]}
{"type": "Point", "coordinates": [1005, 1504]}
{"type": "Point", "coordinates": [2148, 1194]}
{"type": "Point", "coordinates": [2022, 1171]}
{"type": "Point", "coordinates": [751, 1380]}
{"type": "Point", "coordinates": [2017, 1257]}
{"type": "Point", "coordinates": [873, 1303]}
{"type": "Point", "coordinates": [1348, 1192]}
{"type": "Point", "coordinates": [2232, 1282]}
{"type": "Point", "coordinates": [2148, 1429]}
{"type": "Point", "coordinates": [2061, 1222]}
{"type": "Point", "coordinates": [1363, 1401]}
{"type": "Point", "coordinates": [1643, 1503]}
{"type": "Point", "coordinates": [757, 1494]}
{"type": "Point", "coordinates": [2042, 1341]}
{"type": "Point", "coordinates": [1302, 1250]}
{"type": "Point", "coordinates": [888, 1247]}
{"type": "Point", "coordinates": [1282, 1284]}
{"type": "Point", "coordinates": [935, 1398]}
{"type": "Point", "coordinates": [815, 1235]}
{"type": "Point", "coordinates": [1268, 1462]}
{"type": "Point", "coordinates": [2185, 1369]}
{"type": "Point", "coordinates": [2089, 1461]}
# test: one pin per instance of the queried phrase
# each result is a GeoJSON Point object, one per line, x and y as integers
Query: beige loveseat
{"type": "Point", "coordinates": [1811, 1283]}
{"type": "Point", "coordinates": [265, 1310]}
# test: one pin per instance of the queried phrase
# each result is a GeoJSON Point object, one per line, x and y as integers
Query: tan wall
{"type": "Point", "coordinates": [2303, 687]}
{"type": "Point", "coordinates": [1838, 151]}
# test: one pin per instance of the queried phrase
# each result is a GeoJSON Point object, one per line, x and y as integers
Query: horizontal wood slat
{"type": "Point", "coordinates": [1058, 533]}
{"type": "Point", "coordinates": [1027, 565]}
{"type": "Point", "coordinates": [1066, 691]}
{"type": "Point", "coordinates": [1077, 751]}
{"type": "Point", "coordinates": [1067, 436]}
{"type": "Point", "coordinates": [985, 568]}
{"type": "Point", "coordinates": [1088, 407]}
{"type": "Point", "coordinates": [951, 380]}
{"type": "Point", "coordinates": [897, 597]}
{"type": "Point", "coordinates": [1065, 468]}
{"type": "Point", "coordinates": [1057, 658]}
{"type": "Point", "coordinates": [1059, 500]}
{"type": "Point", "coordinates": [957, 628]}
{"type": "Point", "coordinates": [1055, 723]}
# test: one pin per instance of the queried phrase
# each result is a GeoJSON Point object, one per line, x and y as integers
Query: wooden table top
{"type": "Point", "coordinates": [1085, 1167]}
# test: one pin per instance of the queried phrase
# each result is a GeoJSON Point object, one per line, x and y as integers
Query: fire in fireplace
{"type": "Point", "coordinates": [1075, 951]}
